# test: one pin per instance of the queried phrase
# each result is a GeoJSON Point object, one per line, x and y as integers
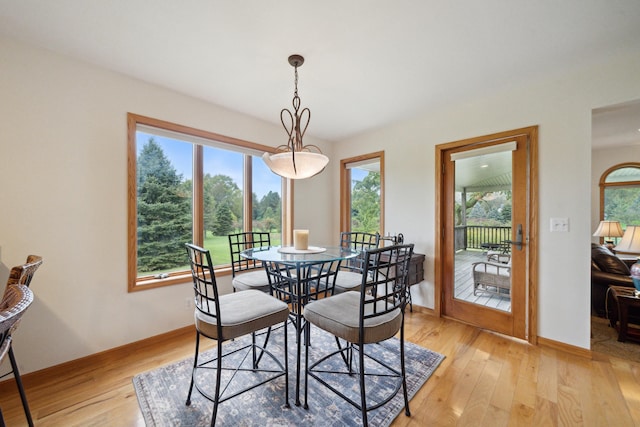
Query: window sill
{"type": "Point", "coordinates": [143, 284]}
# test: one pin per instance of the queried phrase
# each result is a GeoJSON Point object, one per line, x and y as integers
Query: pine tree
{"type": "Point", "coordinates": [223, 224]}
{"type": "Point", "coordinates": [164, 212]}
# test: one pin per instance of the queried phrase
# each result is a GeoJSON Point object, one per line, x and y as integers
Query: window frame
{"type": "Point", "coordinates": [135, 283]}
{"type": "Point", "coordinates": [604, 184]}
{"type": "Point", "coordinates": [345, 188]}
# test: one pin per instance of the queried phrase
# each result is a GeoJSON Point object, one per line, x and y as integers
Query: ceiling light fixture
{"type": "Point", "coordinates": [295, 160]}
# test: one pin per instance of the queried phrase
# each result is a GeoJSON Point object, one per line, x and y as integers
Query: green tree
{"type": "Point", "coordinates": [505, 213]}
{"type": "Point", "coordinates": [223, 224]}
{"type": "Point", "coordinates": [365, 204]}
{"type": "Point", "coordinates": [472, 200]}
{"type": "Point", "coordinates": [164, 211]}
{"type": "Point", "coordinates": [219, 190]}
{"type": "Point", "coordinates": [270, 211]}
{"type": "Point", "coordinates": [622, 204]}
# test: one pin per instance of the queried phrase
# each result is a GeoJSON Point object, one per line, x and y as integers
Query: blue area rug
{"type": "Point", "coordinates": [162, 392]}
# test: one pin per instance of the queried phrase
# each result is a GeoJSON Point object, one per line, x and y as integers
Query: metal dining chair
{"type": "Point", "coordinates": [227, 317]}
{"type": "Point", "coordinates": [350, 274]}
{"type": "Point", "coordinates": [15, 301]}
{"type": "Point", "coordinates": [370, 315]}
{"type": "Point", "coordinates": [248, 273]}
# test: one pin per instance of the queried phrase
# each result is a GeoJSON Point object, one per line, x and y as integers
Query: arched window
{"type": "Point", "coordinates": [620, 194]}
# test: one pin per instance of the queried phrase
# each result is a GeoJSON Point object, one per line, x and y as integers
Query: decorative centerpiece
{"type": "Point", "coordinates": [301, 244]}
{"type": "Point", "coordinates": [301, 239]}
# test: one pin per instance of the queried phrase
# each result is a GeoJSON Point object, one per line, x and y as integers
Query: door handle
{"type": "Point", "coordinates": [519, 242]}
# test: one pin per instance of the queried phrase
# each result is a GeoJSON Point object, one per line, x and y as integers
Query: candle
{"type": "Point", "coordinates": [301, 239]}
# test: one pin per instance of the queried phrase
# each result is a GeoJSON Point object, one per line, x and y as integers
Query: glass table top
{"type": "Point", "coordinates": [289, 255]}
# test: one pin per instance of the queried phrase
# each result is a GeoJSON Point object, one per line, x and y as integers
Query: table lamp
{"type": "Point", "coordinates": [630, 243]}
{"type": "Point", "coordinates": [609, 229]}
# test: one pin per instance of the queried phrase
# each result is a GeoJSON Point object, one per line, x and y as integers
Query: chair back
{"type": "Point", "coordinates": [300, 283]}
{"type": "Point", "coordinates": [239, 242]}
{"type": "Point", "coordinates": [22, 274]}
{"type": "Point", "coordinates": [384, 281]}
{"type": "Point", "coordinates": [359, 241]}
{"type": "Point", "coordinates": [204, 281]}
{"type": "Point", "coordinates": [16, 300]}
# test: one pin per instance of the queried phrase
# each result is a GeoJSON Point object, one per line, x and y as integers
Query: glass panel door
{"type": "Point", "coordinates": [482, 220]}
{"type": "Point", "coordinates": [485, 223]}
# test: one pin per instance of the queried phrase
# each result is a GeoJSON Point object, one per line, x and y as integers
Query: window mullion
{"type": "Point", "coordinates": [248, 194]}
{"type": "Point", "coordinates": [198, 195]}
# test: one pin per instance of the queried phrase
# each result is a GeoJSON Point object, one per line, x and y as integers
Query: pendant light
{"type": "Point", "coordinates": [295, 160]}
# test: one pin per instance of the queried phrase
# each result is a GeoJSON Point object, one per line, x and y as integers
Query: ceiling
{"type": "Point", "coordinates": [368, 62]}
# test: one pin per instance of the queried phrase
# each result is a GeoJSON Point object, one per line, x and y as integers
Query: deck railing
{"type": "Point", "coordinates": [475, 236]}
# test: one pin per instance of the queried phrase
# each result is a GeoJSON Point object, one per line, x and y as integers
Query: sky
{"type": "Point", "coordinates": [216, 161]}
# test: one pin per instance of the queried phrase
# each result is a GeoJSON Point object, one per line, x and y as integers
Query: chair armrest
{"type": "Point", "coordinates": [607, 279]}
{"type": "Point", "coordinates": [499, 266]}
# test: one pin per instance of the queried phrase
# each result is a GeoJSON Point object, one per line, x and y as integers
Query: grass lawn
{"type": "Point", "coordinates": [219, 248]}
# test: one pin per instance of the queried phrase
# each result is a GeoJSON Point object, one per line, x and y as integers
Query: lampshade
{"type": "Point", "coordinates": [608, 229]}
{"type": "Point", "coordinates": [630, 242]}
{"type": "Point", "coordinates": [296, 160]}
{"type": "Point", "coordinates": [306, 164]}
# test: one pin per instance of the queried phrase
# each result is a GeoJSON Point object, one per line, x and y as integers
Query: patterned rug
{"type": "Point", "coordinates": [162, 392]}
{"type": "Point", "coordinates": [604, 339]}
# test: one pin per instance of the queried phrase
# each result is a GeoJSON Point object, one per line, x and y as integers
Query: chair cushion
{"type": "Point", "coordinates": [255, 279]}
{"type": "Point", "coordinates": [347, 281]}
{"type": "Point", "coordinates": [340, 316]}
{"type": "Point", "coordinates": [242, 313]}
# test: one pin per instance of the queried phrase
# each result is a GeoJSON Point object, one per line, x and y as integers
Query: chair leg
{"type": "Point", "coordinates": [23, 396]}
{"type": "Point", "coordinates": [344, 353]}
{"type": "Point", "coordinates": [300, 329]}
{"type": "Point", "coordinates": [193, 372]}
{"type": "Point", "coordinates": [286, 366]}
{"type": "Point", "coordinates": [266, 341]}
{"type": "Point", "coordinates": [363, 394]}
{"type": "Point", "coordinates": [253, 351]}
{"type": "Point", "coordinates": [218, 380]}
{"type": "Point", "coordinates": [403, 371]}
{"type": "Point", "coordinates": [307, 344]}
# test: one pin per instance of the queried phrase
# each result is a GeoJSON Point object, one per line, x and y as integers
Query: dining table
{"type": "Point", "coordinates": [300, 276]}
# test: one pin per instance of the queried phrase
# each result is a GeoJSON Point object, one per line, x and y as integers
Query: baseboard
{"type": "Point", "coordinates": [567, 348]}
{"type": "Point", "coordinates": [425, 310]}
{"type": "Point", "coordinates": [37, 377]}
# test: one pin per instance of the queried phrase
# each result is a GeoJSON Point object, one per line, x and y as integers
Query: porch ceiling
{"type": "Point", "coordinates": [489, 172]}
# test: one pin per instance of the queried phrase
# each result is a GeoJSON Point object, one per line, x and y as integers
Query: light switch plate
{"type": "Point", "coordinates": [559, 225]}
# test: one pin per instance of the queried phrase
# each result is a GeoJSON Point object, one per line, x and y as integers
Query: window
{"type": "Point", "coordinates": [620, 194]}
{"type": "Point", "coordinates": [362, 193]}
{"type": "Point", "coordinates": [187, 185]}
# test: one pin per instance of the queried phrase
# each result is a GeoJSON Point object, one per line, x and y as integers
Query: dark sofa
{"type": "Point", "coordinates": [606, 269]}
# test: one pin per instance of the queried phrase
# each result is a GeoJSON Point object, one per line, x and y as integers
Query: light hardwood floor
{"type": "Point", "coordinates": [485, 380]}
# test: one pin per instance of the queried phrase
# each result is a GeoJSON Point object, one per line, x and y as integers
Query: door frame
{"type": "Point", "coordinates": [531, 132]}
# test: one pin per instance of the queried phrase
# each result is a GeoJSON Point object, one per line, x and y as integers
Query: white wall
{"type": "Point", "coordinates": [63, 190]}
{"type": "Point", "coordinates": [561, 107]}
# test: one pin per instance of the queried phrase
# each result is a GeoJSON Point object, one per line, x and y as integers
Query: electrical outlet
{"type": "Point", "coordinates": [559, 225]}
